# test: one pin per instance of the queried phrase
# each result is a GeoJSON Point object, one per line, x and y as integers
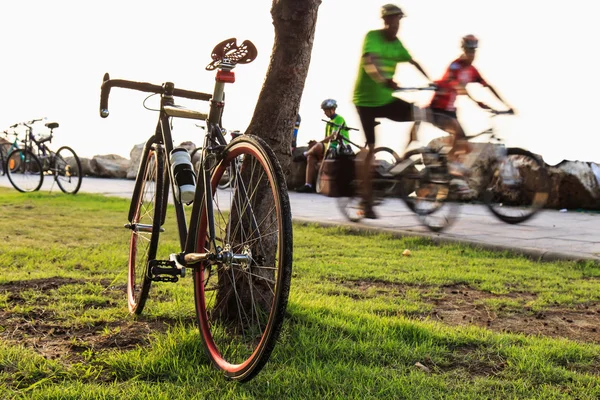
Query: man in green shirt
{"type": "Point", "coordinates": [317, 152]}
{"type": "Point", "coordinates": [373, 92]}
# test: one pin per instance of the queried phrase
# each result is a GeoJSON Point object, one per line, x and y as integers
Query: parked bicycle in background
{"type": "Point", "coordinates": [8, 147]}
{"type": "Point", "coordinates": [27, 166]}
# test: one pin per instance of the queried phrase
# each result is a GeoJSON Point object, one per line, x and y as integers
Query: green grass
{"type": "Point", "coordinates": [360, 316]}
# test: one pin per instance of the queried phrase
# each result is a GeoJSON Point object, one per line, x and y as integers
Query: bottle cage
{"type": "Point", "coordinates": [229, 51]}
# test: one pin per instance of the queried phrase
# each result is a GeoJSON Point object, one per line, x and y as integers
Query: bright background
{"type": "Point", "coordinates": [539, 55]}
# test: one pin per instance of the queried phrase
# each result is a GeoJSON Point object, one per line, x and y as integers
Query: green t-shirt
{"type": "Point", "coordinates": [367, 92]}
{"type": "Point", "coordinates": [330, 129]}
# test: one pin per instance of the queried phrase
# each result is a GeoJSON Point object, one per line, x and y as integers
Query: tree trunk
{"type": "Point", "coordinates": [279, 100]}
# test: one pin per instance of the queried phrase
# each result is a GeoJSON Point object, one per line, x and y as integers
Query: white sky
{"type": "Point", "coordinates": [538, 54]}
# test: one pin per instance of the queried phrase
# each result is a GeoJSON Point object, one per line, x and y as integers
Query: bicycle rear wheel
{"type": "Point", "coordinates": [518, 188]}
{"type": "Point", "coordinates": [24, 170]}
{"type": "Point", "coordinates": [145, 228]}
{"type": "Point", "coordinates": [425, 188]}
{"type": "Point", "coordinates": [67, 170]}
{"type": "Point", "coordinates": [241, 298]}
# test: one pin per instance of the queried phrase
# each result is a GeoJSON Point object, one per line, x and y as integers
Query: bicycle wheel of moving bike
{"type": "Point", "coordinates": [145, 224]}
{"type": "Point", "coordinates": [425, 188]}
{"type": "Point", "coordinates": [24, 170]}
{"type": "Point", "coordinates": [67, 170]}
{"type": "Point", "coordinates": [518, 187]}
{"type": "Point", "coordinates": [383, 185]}
{"type": "Point", "coordinates": [2, 162]}
{"type": "Point", "coordinates": [242, 295]}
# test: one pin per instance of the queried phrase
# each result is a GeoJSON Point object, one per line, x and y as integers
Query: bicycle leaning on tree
{"type": "Point", "coordinates": [238, 245]}
{"type": "Point", "coordinates": [27, 166]}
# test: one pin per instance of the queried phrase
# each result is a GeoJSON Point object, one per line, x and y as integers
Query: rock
{"type": "Point", "coordinates": [109, 166]}
{"type": "Point", "coordinates": [134, 156]}
{"type": "Point", "coordinates": [573, 184]}
{"type": "Point", "coordinates": [86, 168]}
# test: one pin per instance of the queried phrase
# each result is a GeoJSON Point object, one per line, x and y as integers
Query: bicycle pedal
{"type": "Point", "coordinates": [165, 271]}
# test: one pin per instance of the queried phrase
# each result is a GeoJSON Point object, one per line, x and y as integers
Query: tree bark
{"type": "Point", "coordinates": [279, 99]}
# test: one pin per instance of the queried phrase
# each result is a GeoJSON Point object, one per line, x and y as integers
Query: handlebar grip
{"type": "Point", "coordinates": [104, 93]}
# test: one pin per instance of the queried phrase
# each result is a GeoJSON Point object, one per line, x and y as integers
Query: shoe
{"type": "Point", "coordinates": [299, 158]}
{"type": "Point", "coordinates": [458, 170]}
{"type": "Point", "coordinates": [460, 187]}
{"type": "Point", "coordinates": [306, 189]}
{"type": "Point", "coordinates": [366, 210]}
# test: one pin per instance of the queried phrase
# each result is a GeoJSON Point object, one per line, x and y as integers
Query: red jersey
{"type": "Point", "coordinates": [457, 74]}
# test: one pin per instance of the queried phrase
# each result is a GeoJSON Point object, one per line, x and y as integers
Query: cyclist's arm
{"type": "Point", "coordinates": [372, 67]}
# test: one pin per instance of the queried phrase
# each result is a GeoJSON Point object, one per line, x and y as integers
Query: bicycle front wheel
{"type": "Point", "coordinates": [67, 170]}
{"type": "Point", "coordinates": [24, 170]}
{"type": "Point", "coordinates": [145, 228]}
{"type": "Point", "coordinates": [518, 187]}
{"type": "Point", "coordinates": [425, 188]}
{"type": "Point", "coordinates": [2, 161]}
{"type": "Point", "coordinates": [242, 295]}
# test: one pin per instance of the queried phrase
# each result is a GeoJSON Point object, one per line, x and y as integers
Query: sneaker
{"type": "Point", "coordinates": [460, 187]}
{"type": "Point", "coordinates": [458, 170]}
{"type": "Point", "coordinates": [299, 158]}
{"type": "Point", "coordinates": [366, 210]}
{"type": "Point", "coordinates": [306, 189]}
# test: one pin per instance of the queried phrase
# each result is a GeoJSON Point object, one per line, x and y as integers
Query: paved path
{"type": "Point", "coordinates": [549, 235]}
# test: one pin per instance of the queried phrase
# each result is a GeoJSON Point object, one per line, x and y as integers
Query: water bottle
{"type": "Point", "coordinates": [183, 173]}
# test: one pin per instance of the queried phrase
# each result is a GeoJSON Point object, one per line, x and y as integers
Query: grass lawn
{"type": "Point", "coordinates": [363, 321]}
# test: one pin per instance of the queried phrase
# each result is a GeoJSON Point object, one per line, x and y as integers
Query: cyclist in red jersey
{"type": "Point", "coordinates": [442, 111]}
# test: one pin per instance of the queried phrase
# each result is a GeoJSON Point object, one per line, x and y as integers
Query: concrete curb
{"type": "Point", "coordinates": [531, 253]}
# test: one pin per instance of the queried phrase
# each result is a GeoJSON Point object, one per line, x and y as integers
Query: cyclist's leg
{"type": "Point", "coordinates": [364, 158]}
{"type": "Point", "coordinates": [312, 158]}
{"type": "Point", "coordinates": [402, 111]}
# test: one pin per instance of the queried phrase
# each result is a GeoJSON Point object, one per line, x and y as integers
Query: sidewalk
{"type": "Point", "coordinates": [550, 235]}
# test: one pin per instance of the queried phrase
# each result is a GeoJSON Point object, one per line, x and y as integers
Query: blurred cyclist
{"type": "Point", "coordinates": [373, 92]}
{"type": "Point", "coordinates": [317, 152]}
{"type": "Point", "coordinates": [442, 111]}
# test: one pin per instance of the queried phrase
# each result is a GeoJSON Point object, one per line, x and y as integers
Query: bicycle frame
{"type": "Point", "coordinates": [214, 141]}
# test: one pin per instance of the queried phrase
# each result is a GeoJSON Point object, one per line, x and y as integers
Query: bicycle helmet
{"type": "Point", "coordinates": [469, 42]}
{"type": "Point", "coordinates": [329, 103]}
{"type": "Point", "coordinates": [391, 9]}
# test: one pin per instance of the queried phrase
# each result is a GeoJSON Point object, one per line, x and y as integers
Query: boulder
{"type": "Point", "coordinates": [86, 168]}
{"type": "Point", "coordinates": [134, 156]}
{"type": "Point", "coordinates": [109, 166]}
{"type": "Point", "coordinates": [574, 184]}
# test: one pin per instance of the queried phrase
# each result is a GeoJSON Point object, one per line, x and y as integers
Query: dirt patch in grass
{"type": "Point", "coordinates": [458, 305]}
{"type": "Point", "coordinates": [40, 329]}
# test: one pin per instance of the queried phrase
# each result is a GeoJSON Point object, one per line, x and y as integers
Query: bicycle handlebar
{"type": "Point", "coordinates": [166, 88]}
{"type": "Point", "coordinates": [496, 112]}
{"type": "Point", "coordinates": [414, 88]}
{"type": "Point", "coordinates": [339, 126]}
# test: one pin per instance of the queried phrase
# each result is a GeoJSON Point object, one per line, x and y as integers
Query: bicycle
{"type": "Point", "coordinates": [422, 179]}
{"type": "Point", "coordinates": [4, 151]}
{"type": "Point", "coordinates": [238, 244]}
{"type": "Point", "coordinates": [27, 166]}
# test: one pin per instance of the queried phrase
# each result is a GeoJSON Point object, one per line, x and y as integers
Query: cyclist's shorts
{"type": "Point", "coordinates": [398, 110]}
{"type": "Point", "coordinates": [444, 119]}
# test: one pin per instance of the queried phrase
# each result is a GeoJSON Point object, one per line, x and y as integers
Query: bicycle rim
{"type": "Point", "coordinates": [24, 171]}
{"type": "Point", "coordinates": [146, 224]}
{"type": "Point", "coordinates": [2, 163]}
{"type": "Point", "coordinates": [240, 303]}
{"type": "Point", "coordinates": [67, 170]}
{"type": "Point", "coordinates": [518, 188]}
